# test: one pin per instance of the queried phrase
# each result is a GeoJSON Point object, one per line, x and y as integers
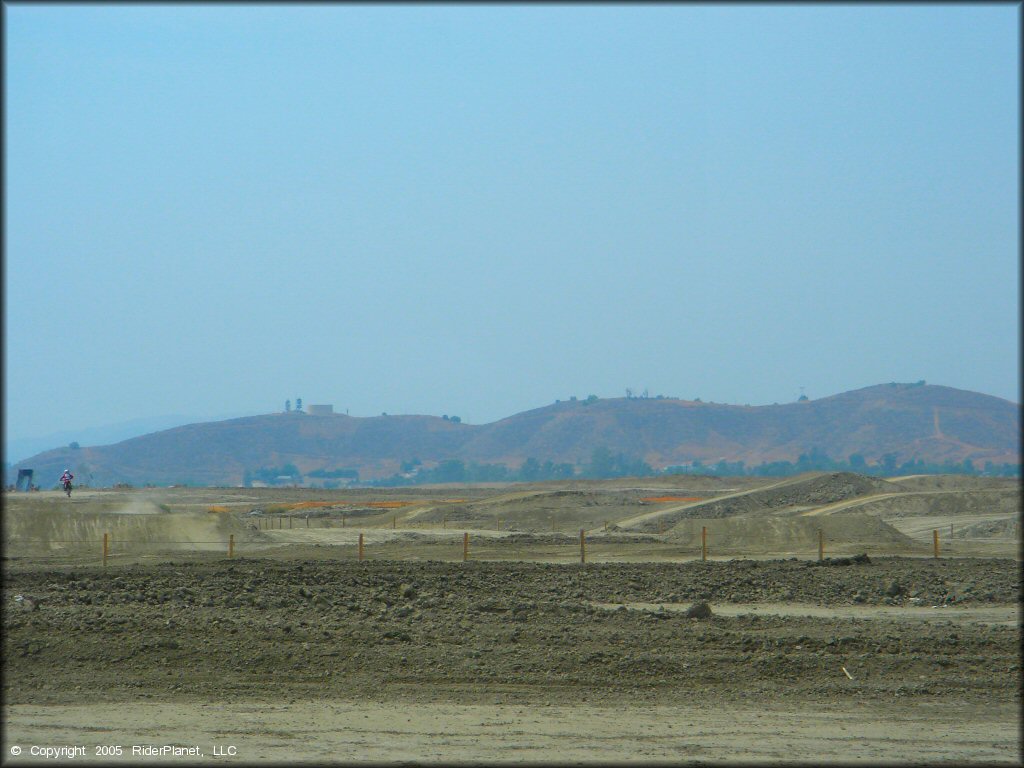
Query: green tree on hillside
{"type": "Point", "coordinates": [552, 471]}
{"type": "Point", "coordinates": [450, 471]}
{"type": "Point", "coordinates": [601, 464]}
{"type": "Point", "coordinates": [269, 475]}
{"type": "Point", "coordinates": [604, 464]}
{"type": "Point", "coordinates": [888, 464]}
{"type": "Point", "coordinates": [529, 469]}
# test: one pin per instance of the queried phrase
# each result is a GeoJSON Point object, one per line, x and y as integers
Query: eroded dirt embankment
{"type": "Point", "coordinates": [81, 526]}
{"type": "Point", "coordinates": [762, 533]}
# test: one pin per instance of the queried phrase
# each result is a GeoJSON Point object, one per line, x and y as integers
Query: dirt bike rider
{"type": "Point", "coordinates": [66, 478]}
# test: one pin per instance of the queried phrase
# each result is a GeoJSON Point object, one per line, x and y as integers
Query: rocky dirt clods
{"type": "Point", "coordinates": [361, 630]}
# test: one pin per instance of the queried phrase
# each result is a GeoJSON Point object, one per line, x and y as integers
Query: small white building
{"type": "Point", "coordinates": [319, 410]}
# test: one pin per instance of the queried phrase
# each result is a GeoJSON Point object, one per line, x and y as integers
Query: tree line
{"type": "Point", "coordinates": [604, 463]}
{"type": "Point", "coordinates": [459, 471]}
{"type": "Point", "coordinates": [817, 460]}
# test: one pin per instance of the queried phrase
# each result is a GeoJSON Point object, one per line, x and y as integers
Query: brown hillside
{"type": "Point", "coordinates": [910, 421]}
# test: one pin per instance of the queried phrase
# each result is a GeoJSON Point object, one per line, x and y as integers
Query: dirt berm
{"type": "Point", "coordinates": [954, 483]}
{"type": "Point", "coordinates": [40, 530]}
{"type": "Point", "coordinates": [536, 510]}
{"type": "Point", "coordinates": [803, 492]}
{"type": "Point", "coordinates": [940, 503]}
{"type": "Point", "coordinates": [815, 490]}
{"type": "Point", "coordinates": [759, 534]}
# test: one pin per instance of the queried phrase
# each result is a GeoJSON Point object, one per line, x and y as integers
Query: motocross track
{"type": "Point", "coordinates": [294, 651]}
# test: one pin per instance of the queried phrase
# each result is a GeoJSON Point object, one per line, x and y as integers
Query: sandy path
{"type": "Point", "coordinates": [325, 731]}
{"type": "Point", "coordinates": [861, 501]}
{"type": "Point", "coordinates": [1005, 615]}
{"type": "Point", "coordinates": [847, 504]}
{"type": "Point", "coordinates": [636, 520]}
{"type": "Point", "coordinates": [921, 526]}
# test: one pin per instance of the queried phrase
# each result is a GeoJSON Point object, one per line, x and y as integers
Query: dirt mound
{"type": "Point", "coordinates": [938, 503]}
{"type": "Point", "coordinates": [45, 530]}
{"type": "Point", "coordinates": [991, 529]}
{"type": "Point", "coordinates": [812, 491]}
{"type": "Point", "coordinates": [756, 534]}
{"type": "Point", "coordinates": [537, 511]}
{"type": "Point", "coordinates": [953, 482]}
{"type": "Point", "coordinates": [799, 493]}
{"type": "Point", "coordinates": [699, 610]}
{"type": "Point", "coordinates": [861, 559]}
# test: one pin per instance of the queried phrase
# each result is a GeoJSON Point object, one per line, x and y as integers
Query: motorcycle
{"type": "Point", "coordinates": [67, 488]}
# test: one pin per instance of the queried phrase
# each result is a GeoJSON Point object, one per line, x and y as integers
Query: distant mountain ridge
{"type": "Point", "coordinates": [17, 448]}
{"type": "Point", "coordinates": [911, 421]}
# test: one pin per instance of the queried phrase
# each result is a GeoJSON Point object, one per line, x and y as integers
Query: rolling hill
{"type": "Point", "coordinates": [911, 421]}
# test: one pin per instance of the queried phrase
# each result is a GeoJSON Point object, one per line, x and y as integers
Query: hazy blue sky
{"type": "Point", "coordinates": [480, 210]}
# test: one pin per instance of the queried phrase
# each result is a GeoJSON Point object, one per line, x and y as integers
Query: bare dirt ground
{"type": "Point", "coordinates": [295, 651]}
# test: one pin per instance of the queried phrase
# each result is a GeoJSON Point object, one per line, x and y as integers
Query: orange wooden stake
{"type": "Point", "coordinates": [231, 545]}
{"type": "Point", "coordinates": [704, 542]}
{"type": "Point", "coordinates": [821, 544]}
{"type": "Point", "coordinates": [105, 550]}
{"type": "Point", "coordinates": [360, 547]}
{"type": "Point", "coordinates": [583, 545]}
{"type": "Point", "coordinates": [465, 546]}
{"type": "Point", "coordinates": [935, 541]}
